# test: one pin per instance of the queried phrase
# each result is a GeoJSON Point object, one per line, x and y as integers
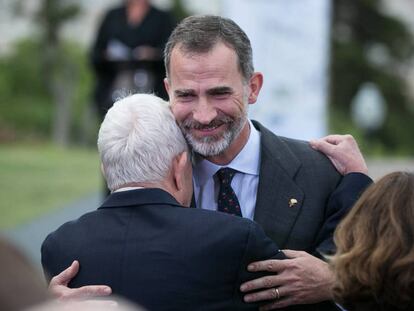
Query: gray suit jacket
{"type": "Point", "coordinates": [295, 186]}
{"type": "Point", "coordinates": [298, 200]}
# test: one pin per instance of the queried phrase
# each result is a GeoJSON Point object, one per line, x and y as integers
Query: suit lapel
{"type": "Point", "coordinates": [276, 210]}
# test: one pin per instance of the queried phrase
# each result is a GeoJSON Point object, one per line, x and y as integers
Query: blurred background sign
{"type": "Point", "coordinates": [290, 42]}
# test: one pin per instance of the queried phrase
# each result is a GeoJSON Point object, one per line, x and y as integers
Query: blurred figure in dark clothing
{"type": "Point", "coordinates": [127, 54]}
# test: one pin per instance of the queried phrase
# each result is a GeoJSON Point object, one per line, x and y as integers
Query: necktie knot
{"type": "Point", "coordinates": [225, 175]}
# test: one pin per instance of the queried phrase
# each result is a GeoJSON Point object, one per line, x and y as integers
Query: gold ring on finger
{"type": "Point", "coordinates": [277, 293]}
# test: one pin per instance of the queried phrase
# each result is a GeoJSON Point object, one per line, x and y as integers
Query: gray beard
{"type": "Point", "coordinates": [213, 146]}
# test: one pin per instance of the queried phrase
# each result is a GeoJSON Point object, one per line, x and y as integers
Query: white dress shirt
{"type": "Point", "coordinates": [244, 183]}
{"type": "Point", "coordinates": [122, 189]}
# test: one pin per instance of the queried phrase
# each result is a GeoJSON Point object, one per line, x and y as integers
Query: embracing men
{"type": "Point", "coordinates": [282, 184]}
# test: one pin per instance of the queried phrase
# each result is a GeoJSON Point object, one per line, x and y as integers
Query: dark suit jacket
{"type": "Point", "coordinates": [153, 251]}
{"type": "Point", "coordinates": [291, 169]}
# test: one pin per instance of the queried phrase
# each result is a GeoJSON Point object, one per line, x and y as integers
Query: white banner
{"type": "Point", "coordinates": [290, 40]}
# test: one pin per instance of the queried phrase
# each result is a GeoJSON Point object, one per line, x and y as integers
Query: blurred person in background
{"type": "Point", "coordinates": [374, 263]}
{"type": "Point", "coordinates": [21, 285]}
{"type": "Point", "coordinates": [127, 54]}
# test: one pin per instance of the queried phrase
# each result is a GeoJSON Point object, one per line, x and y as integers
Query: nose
{"type": "Point", "coordinates": [204, 112]}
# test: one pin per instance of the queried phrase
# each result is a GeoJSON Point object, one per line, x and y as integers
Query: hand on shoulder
{"type": "Point", "coordinates": [343, 151]}
{"type": "Point", "coordinates": [59, 289]}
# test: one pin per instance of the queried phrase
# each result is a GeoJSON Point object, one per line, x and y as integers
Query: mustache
{"type": "Point", "coordinates": [192, 124]}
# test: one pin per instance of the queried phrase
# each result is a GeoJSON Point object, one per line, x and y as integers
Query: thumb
{"type": "Point", "coordinates": [66, 275]}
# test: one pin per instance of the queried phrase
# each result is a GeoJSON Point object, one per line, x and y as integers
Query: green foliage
{"type": "Point", "coordinates": [82, 120]}
{"type": "Point", "coordinates": [27, 109]}
{"type": "Point", "coordinates": [36, 179]}
{"type": "Point", "coordinates": [179, 10]}
{"type": "Point", "coordinates": [50, 18]}
{"type": "Point", "coordinates": [25, 105]}
{"type": "Point", "coordinates": [47, 80]}
{"type": "Point", "coordinates": [359, 27]}
{"type": "Point", "coordinates": [55, 13]}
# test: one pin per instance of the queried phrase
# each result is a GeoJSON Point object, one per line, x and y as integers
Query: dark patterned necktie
{"type": "Point", "coordinates": [227, 200]}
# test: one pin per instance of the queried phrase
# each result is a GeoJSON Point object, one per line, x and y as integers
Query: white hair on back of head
{"type": "Point", "coordinates": [138, 140]}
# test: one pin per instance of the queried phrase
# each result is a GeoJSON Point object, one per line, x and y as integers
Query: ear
{"type": "Point", "coordinates": [167, 85]}
{"type": "Point", "coordinates": [102, 169]}
{"type": "Point", "coordinates": [255, 84]}
{"type": "Point", "coordinates": [179, 171]}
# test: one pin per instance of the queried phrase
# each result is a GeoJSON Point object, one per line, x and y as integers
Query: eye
{"type": "Point", "coordinates": [185, 97]}
{"type": "Point", "coordinates": [221, 95]}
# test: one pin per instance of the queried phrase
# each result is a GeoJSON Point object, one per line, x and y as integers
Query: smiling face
{"type": "Point", "coordinates": [209, 99]}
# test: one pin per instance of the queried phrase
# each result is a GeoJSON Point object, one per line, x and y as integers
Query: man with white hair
{"type": "Point", "coordinates": [142, 241]}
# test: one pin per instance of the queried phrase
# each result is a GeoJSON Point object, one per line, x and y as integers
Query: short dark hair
{"type": "Point", "coordinates": [200, 33]}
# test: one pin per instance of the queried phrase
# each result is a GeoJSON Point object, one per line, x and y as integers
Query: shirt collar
{"type": "Point", "coordinates": [247, 161]}
{"type": "Point", "coordinates": [127, 189]}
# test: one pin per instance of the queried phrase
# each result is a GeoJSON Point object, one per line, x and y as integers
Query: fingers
{"type": "Point", "coordinates": [63, 293]}
{"type": "Point", "coordinates": [58, 286]}
{"type": "Point", "coordinates": [271, 265]}
{"type": "Point", "coordinates": [336, 139]}
{"type": "Point", "coordinates": [263, 282]}
{"type": "Point", "coordinates": [268, 294]}
{"type": "Point", "coordinates": [294, 254]}
{"type": "Point", "coordinates": [275, 265]}
{"type": "Point", "coordinates": [89, 291]}
{"type": "Point", "coordinates": [322, 146]}
{"type": "Point", "coordinates": [66, 275]}
{"type": "Point", "coordinates": [343, 152]}
{"type": "Point", "coordinates": [331, 140]}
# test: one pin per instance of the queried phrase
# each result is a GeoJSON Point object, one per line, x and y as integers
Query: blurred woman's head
{"type": "Point", "coordinates": [21, 284]}
{"type": "Point", "coordinates": [374, 264]}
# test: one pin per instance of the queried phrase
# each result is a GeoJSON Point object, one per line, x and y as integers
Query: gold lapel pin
{"type": "Point", "coordinates": [293, 202]}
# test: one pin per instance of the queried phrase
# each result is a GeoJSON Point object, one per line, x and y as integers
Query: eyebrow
{"type": "Point", "coordinates": [184, 92]}
{"type": "Point", "coordinates": [220, 90]}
